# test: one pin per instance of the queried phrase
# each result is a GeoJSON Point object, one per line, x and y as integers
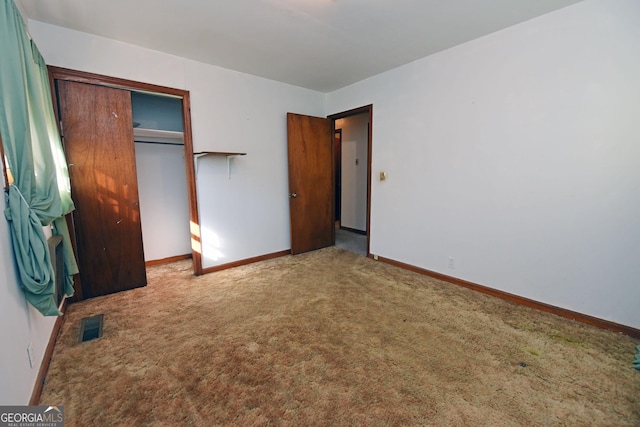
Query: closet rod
{"type": "Point", "coordinates": [159, 143]}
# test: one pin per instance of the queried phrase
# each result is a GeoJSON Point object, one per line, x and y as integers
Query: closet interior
{"type": "Point", "coordinates": [162, 178]}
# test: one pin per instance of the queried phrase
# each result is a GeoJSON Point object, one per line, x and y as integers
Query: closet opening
{"type": "Point", "coordinates": [162, 176]}
{"type": "Point", "coordinates": [133, 149]}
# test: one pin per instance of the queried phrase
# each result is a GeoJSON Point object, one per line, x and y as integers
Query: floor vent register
{"type": "Point", "coordinates": [91, 328]}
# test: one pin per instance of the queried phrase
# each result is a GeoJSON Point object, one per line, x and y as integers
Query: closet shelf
{"type": "Point", "coordinates": [158, 136]}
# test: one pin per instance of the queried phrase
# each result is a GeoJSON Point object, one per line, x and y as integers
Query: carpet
{"type": "Point", "coordinates": [333, 338]}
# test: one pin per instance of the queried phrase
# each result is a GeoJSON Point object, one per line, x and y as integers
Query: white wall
{"type": "Point", "coordinates": [21, 325]}
{"type": "Point", "coordinates": [518, 155]}
{"type": "Point", "coordinates": [355, 142]}
{"type": "Point", "coordinates": [247, 215]}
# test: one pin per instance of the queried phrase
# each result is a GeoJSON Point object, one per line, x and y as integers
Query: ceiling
{"type": "Point", "coordinates": [317, 44]}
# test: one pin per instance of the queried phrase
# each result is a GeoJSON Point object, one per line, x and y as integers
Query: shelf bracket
{"type": "Point", "coordinates": [228, 156]}
{"type": "Point", "coordinates": [196, 156]}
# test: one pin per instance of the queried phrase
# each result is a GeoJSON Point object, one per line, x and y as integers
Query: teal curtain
{"type": "Point", "coordinates": [40, 194]}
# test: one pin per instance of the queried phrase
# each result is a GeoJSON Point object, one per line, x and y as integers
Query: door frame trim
{"type": "Point", "coordinates": [59, 73]}
{"type": "Point", "coordinates": [338, 183]}
{"type": "Point", "coordinates": [361, 110]}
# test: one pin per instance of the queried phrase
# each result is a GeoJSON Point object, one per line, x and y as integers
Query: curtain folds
{"type": "Point", "coordinates": [40, 194]}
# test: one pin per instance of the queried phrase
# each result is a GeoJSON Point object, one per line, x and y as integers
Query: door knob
{"type": "Point", "coordinates": [292, 195]}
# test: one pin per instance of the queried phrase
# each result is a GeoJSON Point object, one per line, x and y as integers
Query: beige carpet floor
{"type": "Point", "coordinates": [332, 338]}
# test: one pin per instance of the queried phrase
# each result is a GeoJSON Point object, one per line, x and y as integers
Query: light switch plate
{"type": "Point", "coordinates": [383, 176]}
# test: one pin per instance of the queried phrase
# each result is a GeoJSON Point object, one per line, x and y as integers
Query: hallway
{"type": "Point", "coordinates": [352, 242]}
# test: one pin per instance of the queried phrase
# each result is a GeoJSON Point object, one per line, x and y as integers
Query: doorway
{"type": "Point", "coordinates": [160, 95]}
{"type": "Point", "coordinates": [162, 179]}
{"type": "Point", "coordinates": [314, 180]}
{"type": "Point", "coordinates": [352, 143]}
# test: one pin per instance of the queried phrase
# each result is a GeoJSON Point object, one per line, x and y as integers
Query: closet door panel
{"type": "Point", "coordinates": [98, 141]}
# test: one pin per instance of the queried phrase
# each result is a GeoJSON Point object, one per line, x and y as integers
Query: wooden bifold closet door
{"type": "Point", "coordinates": [98, 141]}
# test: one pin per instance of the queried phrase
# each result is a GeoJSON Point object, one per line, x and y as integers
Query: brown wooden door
{"type": "Point", "coordinates": [98, 140]}
{"type": "Point", "coordinates": [311, 199]}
